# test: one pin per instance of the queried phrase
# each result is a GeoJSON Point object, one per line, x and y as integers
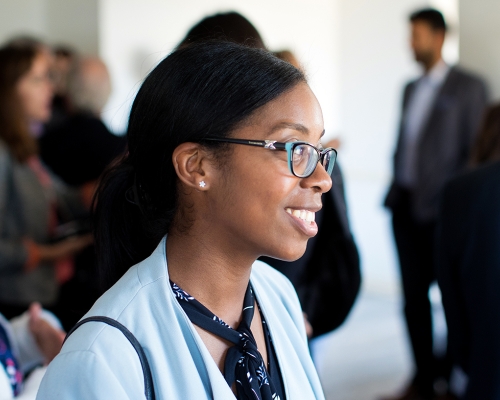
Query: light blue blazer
{"type": "Point", "coordinates": [98, 362]}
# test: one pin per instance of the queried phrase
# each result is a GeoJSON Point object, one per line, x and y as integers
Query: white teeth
{"type": "Point", "coordinates": [304, 215]}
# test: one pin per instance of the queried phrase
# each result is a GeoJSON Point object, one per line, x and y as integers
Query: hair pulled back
{"type": "Point", "coordinates": [201, 90]}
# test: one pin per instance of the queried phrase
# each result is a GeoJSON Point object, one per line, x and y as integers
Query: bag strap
{"type": "Point", "coordinates": [148, 377]}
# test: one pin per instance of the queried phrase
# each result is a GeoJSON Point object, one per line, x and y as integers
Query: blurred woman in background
{"type": "Point", "coordinates": [29, 205]}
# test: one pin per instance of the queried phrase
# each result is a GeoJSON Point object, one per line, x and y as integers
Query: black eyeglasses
{"type": "Point", "coordinates": [303, 157]}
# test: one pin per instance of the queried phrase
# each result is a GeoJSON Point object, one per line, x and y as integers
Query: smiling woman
{"type": "Point", "coordinates": [181, 221]}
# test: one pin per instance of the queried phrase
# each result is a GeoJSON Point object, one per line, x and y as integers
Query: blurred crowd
{"type": "Point", "coordinates": [53, 148]}
{"type": "Point", "coordinates": [444, 200]}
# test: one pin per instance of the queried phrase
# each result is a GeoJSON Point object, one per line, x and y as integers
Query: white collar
{"type": "Point", "coordinates": [437, 74]}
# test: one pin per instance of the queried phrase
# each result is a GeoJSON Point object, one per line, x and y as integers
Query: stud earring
{"type": "Point", "coordinates": [202, 184]}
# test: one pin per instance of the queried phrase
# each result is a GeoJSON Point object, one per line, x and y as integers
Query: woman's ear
{"type": "Point", "coordinates": [192, 165]}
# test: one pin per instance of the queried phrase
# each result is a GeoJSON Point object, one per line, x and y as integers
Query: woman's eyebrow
{"type": "Point", "coordinates": [289, 125]}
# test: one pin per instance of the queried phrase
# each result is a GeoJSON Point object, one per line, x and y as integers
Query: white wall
{"type": "Point", "coordinates": [135, 35]}
{"type": "Point", "coordinates": [21, 17]}
{"type": "Point", "coordinates": [54, 21]}
{"type": "Point", "coordinates": [479, 37]}
{"type": "Point", "coordinates": [73, 22]}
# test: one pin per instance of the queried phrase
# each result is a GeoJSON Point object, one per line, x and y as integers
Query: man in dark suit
{"type": "Point", "coordinates": [440, 116]}
{"type": "Point", "coordinates": [469, 276]}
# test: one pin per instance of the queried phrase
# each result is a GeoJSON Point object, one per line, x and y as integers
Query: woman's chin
{"type": "Point", "coordinates": [290, 254]}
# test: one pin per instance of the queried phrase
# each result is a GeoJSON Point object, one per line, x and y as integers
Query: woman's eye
{"type": "Point", "coordinates": [299, 150]}
{"type": "Point", "coordinates": [298, 153]}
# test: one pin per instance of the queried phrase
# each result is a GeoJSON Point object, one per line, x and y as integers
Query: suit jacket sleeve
{"type": "Point", "coordinates": [393, 195]}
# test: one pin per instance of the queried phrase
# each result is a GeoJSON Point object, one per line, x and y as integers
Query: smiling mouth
{"type": "Point", "coordinates": [304, 215]}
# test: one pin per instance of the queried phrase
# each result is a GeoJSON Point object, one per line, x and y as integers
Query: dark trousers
{"type": "Point", "coordinates": [415, 245]}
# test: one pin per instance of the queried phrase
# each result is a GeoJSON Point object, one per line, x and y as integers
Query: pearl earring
{"type": "Point", "coordinates": [202, 184]}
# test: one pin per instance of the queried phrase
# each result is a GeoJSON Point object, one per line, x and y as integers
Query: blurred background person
{"type": "Point", "coordinates": [78, 150]}
{"type": "Point", "coordinates": [28, 41]}
{"type": "Point", "coordinates": [30, 208]}
{"type": "Point", "coordinates": [289, 57]}
{"type": "Point", "coordinates": [440, 117]}
{"type": "Point", "coordinates": [28, 343]}
{"type": "Point", "coordinates": [230, 26]}
{"type": "Point", "coordinates": [327, 282]}
{"type": "Point", "coordinates": [469, 265]}
{"type": "Point", "coordinates": [63, 59]}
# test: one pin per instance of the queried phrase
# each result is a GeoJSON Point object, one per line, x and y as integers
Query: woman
{"type": "Point", "coordinates": [204, 191]}
{"type": "Point", "coordinates": [28, 200]}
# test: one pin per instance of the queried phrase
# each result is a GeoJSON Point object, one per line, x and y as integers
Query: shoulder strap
{"type": "Point", "coordinates": [148, 377]}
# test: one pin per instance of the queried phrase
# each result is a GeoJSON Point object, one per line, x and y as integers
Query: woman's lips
{"type": "Point", "coordinates": [304, 220]}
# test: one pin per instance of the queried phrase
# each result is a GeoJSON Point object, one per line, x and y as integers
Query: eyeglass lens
{"type": "Point", "coordinates": [305, 158]}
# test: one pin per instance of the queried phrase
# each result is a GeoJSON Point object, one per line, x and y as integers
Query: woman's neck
{"type": "Point", "coordinates": [215, 276]}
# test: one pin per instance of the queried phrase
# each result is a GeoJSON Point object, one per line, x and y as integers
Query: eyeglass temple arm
{"type": "Point", "coordinates": [268, 144]}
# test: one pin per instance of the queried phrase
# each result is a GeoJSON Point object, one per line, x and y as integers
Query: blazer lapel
{"type": "Point", "coordinates": [442, 102]}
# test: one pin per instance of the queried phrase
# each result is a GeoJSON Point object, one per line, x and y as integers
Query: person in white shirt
{"type": "Point", "coordinates": [27, 344]}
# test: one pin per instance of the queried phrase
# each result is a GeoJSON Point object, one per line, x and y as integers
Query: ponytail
{"type": "Point", "coordinates": [121, 237]}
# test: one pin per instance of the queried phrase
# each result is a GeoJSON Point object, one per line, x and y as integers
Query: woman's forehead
{"type": "Point", "coordinates": [296, 110]}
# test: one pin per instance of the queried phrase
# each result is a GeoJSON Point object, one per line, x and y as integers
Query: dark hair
{"type": "Point", "coordinates": [25, 41]}
{"type": "Point", "coordinates": [432, 17]}
{"type": "Point", "coordinates": [487, 145]}
{"type": "Point", "coordinates": [230, 26]}
{"type": "Point", "coordinates": [15, 62]}
{"type": "Point", "coordinates": [204, 89]}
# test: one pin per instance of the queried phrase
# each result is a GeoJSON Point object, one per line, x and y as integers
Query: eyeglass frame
{"type": "Point", "coordinates": [288, 147]}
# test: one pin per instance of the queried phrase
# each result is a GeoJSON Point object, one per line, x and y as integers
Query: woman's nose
{"type": "Point", "coordinates": [319, 179]}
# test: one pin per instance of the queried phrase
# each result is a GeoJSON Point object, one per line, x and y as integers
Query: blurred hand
{"type": "Point", "coordinates": [309, 328]}
{"type": "Point", "coordinates": [87, 192]}
{"type": "Point", "coordinates": [48, 338]}
{"type": "Point", "coordinates": [64, 248]}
